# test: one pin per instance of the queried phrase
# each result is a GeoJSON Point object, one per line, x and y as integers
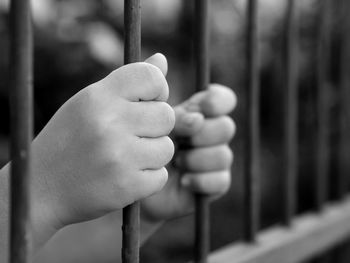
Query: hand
{"type": "Point", "coordinates": [107, 146]}
{"type": "Point", "coordinates": [201, 121]}
{"type": "Point", "coordinates": [204, 165]}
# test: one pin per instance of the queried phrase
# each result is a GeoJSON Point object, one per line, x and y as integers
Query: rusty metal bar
{"type": "Point", "coordinates": [323, 112]}
{"type": "Point", "coordinates": [132, 53]}
{"type": "Point", "coordinates": [251, 184]}
{"type": "Point", "coordinates": [21, 97]}
{"type": "Point", "coordinates": [291, 115]}
{"type": "Point", "coordinates": [201, 44]}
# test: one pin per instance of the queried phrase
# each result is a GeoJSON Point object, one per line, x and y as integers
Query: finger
{"type": "Point", "coordinates": [160, 61]}
{"type": "Point", "coordinates": [137, 81]}
{"type": "Point", "coordinates": [215, 131]}
{"type": "Point", "coordinates": [152, 153]}
{"type": "Point", "coordinates": [217, 100]}
{"type": "Point", "coordinates": [206, 159]}
{"type": "Point", "coordinates": [150, 182]}
{"type": "Point", "coordinates": [175, 201]}
{"type": "Point", "coordinates": [210, 183]}
{"type": "Point", "coordinates": [187, 123]}
{"type": "Point", "coordinates": [151, 119]}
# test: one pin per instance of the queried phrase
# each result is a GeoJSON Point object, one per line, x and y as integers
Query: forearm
{"type": "Point", "coordinates": [99, 240]}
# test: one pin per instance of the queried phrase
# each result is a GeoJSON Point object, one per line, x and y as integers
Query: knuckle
{"type": "Point", "coordinates": [114, 75]}
{"type": "Point", "coordinates": [225, 155]}
{"type": "Point", "coordinates": [99, 129]}
{"type": "Point", "coordinates": [168, 149]}
{"type": "Point", "coordinates": [228, 94]}
{"type": "Point", "coordinates": [162, 153]}
{"type": "Point", "coordinates": [167, 116]}
{"type": "Point", "coordinates": [124, 182]}
{"type": "Point", "coordinates": [156, 79]}
{"type": "Point", "coordinates": [106, 132]}
{"type": "Point", "coordinates": [210, 104]}
{"type": "Point", "coordinates": [199, 185]}
{"type": "Point", "coordinates": [86, 98]}
{"type": "Point", "coordinates": [149, 77]}
{"type": "Point", "coordinates": [112, 154]}
{"type": "Point", "coordinates": [224, 182]}
{"type": "Point", "coordinates": [150, 69]}
{"type": "Point", "coordinates": [234, 99]}
{"type": "Point", "coordinates": [220, 100]}
{"type": "Point", "coordinates": [228, 127]}
{"type": "Point", "coordinates": [162, 178]}
{"type": "Point", "coordinates": [216, 183]}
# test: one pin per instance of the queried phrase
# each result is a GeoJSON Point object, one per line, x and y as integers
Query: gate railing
{"type": "Point", "coordinates": [299, 237]}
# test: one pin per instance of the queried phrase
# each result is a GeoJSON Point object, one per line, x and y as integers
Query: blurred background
{"type": "Point", "coordinates": [77, 42]}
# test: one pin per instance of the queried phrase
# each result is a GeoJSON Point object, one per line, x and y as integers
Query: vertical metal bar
{"type": "Point", "coordinates": [202, 229]}
{"type": "Point", "coordinates": [132, 53]}
{"type": "Point", "coordinates": [291, 106]}
{"type": "Point", "coordinates": [21, 96]}
{"type": "Point", "coordinates": [323, 114]}
{"type": "Point", "coordinates": [202, 220]}
{"type": "Point", "coordinates": [344, 98]}
{"type": "Point", "coordinates": [251, 184]}
{"type": "Point", "coordinates": [336, 50]}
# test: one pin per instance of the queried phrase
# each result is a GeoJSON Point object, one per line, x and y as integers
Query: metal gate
{"type": "Point", "coordinates": [298, 237]}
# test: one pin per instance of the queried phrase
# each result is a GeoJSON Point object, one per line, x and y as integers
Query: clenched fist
{"type": "Point", "coordinates": [203, 160]}
{"type": "Point", "coordinates": [203, 166]}
{"type": "Point", "coordinates": [107, 146]}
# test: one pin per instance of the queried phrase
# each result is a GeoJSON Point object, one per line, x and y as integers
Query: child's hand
{"type": "Point", "coordinates": [205, 169]}
{"type": "Point", "coordinates": [107, 146]}
{"type": "Point", "coordinates": [203, 159]}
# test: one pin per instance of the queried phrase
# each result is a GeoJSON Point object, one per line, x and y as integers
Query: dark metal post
{"type": "Point", "coordinates": [252, 167]}
{"type": "Point", "coordinates": [132, 53]}
{"type": "Point", "coordinates": [21, 96]}
{"type": "Point", "coordinates": [323, 114]}
{"type": "Point", "coordinates": [202, 220]}
{"type": "Point", "coordinates": [344, 99]}
{"type": "Point", "coordinates": [291, 116]}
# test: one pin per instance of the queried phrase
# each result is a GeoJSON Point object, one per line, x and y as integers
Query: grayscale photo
{"type": "Point", "coordinates": [168, 131]}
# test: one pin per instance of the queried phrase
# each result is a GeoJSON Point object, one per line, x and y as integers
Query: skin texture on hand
{"type": "Point", "coordinates": [204, 164]}
{"type": "Point", "coordinates": [103, 149]}
{"type": "Point", "coordinates": [107, 146]}
{"type": "Point", "coordinates": [203, 167]}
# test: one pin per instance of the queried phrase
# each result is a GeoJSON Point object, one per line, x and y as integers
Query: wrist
{"type": "Point", "coordinates": [41, 220]}
{"type": "Point", "coordinates": [46, 208]}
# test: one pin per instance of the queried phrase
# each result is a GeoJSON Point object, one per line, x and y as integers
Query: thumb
{"type": "Point", "coordinates": [160, 61]}
{"type": "Point", "coordinates": [187, 122]}
{"type": "Point", "coordinates": [216, 101]}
